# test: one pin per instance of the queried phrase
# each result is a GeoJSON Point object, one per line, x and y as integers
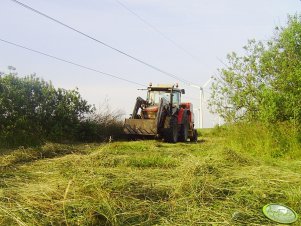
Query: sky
{"type": "Point", "coordinates": [191, 41]}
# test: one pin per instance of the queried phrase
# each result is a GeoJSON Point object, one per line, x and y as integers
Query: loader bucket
{"type": "Point", "coordinates": [142, 127]}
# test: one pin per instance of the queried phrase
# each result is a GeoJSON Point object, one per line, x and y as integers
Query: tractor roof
{"type": "Point", "coordinates": [164, 87]}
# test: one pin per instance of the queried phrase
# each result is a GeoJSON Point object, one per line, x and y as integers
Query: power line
{"type": "Point", "coordinates": [157, 30]}
{"type": "Point", "coordinates": [220, 60]}
{"type": "Point", "coordinates": [70, 62]}
{"type": "Point", "coordinates": [76, 64]}
{"type": "Point", "coordinates": [101, 42]}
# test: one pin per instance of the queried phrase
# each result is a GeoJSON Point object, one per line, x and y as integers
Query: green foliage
{"type": "Point", "coordinates": [32, 111]}
{"type": "Point", "coordinates": [263, 84]}
{"type": "Point", "coordinates": [237, 93]}
{"type": "Point", "coordinates": [20, 104]}
{"type": "Point", "coordinates": [68, 110]}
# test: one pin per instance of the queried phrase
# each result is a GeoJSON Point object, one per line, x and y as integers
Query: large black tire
{"type": "Point", "coordinates": [194, 138]}
{"type": "Point", "coordinates": [171, 133]}
{"type": "Point", "coordinates": [131, 137]}
{"type": "Point", "coordinates": [184, 132]}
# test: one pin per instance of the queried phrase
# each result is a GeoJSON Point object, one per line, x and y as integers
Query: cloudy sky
{"type": "Point", "coordinates": [187, 39]}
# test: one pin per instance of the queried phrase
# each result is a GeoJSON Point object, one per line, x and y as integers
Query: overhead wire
{"type": "Point", "coordinates": [184, 81]}
{"type": "Point", "coordinates": [70, 62]}
{"type": "Point", "coordinates": [157, 30]}
{"type": "Point", "coordinates": [76, 64]}
{"type": "Point", "coordinates": [221, 61]}
{"type": "Point", "coordinates": [154, 28]}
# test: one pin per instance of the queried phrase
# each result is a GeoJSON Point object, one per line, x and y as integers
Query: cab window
{"type": "Point", "coordinates": [154, 97]}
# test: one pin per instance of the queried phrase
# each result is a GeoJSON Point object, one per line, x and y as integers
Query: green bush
{"type": "Point", "coordinates": [32, 111]}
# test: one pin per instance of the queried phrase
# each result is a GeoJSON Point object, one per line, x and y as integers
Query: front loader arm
{"type": "Point", "coordinates": [162, 109]}
{"type": "Point", "coordinates": [139, 102]}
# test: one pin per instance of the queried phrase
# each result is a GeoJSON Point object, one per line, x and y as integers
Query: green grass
{"type": "Point", "coordinates": [213, 182]}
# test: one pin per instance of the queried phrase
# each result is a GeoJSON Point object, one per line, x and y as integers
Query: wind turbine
{"type": "Point", "coordinates": [201, 107]}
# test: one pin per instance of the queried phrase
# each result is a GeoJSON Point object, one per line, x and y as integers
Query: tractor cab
{"type": "Point", "coordinates": [155, 94]}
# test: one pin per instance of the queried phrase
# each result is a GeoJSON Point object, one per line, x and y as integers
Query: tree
{"type": "Point", "coordinates": [32, 110]}
{"type": "Point", "coordinates": [282, 62]}
{"type": "Point", "coordinates": [265, 83]}
{"type": "Point", "coordinates": [236, 93]}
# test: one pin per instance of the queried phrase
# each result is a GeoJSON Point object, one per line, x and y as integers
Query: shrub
{"type": "Point", "coordinates": [32, 111]}
{"type": "Point", "coordinates": [101, 126]}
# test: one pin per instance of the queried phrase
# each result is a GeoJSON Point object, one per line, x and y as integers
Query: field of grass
{"type": "Point", "coordinates": [145, 183]}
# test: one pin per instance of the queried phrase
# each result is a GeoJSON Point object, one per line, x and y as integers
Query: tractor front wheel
{"type": "Point", "coordinates": [171, 133]}
{"type": "Point", "coordinates": [194, 137]}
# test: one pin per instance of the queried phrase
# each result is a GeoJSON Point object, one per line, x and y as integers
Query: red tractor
{"type": "Point", "coordinates": [162, 115]}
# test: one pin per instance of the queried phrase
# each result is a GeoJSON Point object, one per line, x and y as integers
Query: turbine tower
{"type": "Point", "coordinates": [201, 106]}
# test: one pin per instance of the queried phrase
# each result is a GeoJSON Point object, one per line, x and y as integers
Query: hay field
{"type": "Point", "coordinates": [144, 183]}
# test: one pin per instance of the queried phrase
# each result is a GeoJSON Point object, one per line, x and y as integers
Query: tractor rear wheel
{"type": "Point", "coordinates": [184, 132]}
{"type": "Point", "coordinates": [171, 133]}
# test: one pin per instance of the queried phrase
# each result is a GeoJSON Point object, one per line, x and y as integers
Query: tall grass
{"type": "Point", "coordinates": [280, 140]}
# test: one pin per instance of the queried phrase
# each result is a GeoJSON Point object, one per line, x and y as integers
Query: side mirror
{"type": "Point", "coordinates": [183, 91]}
